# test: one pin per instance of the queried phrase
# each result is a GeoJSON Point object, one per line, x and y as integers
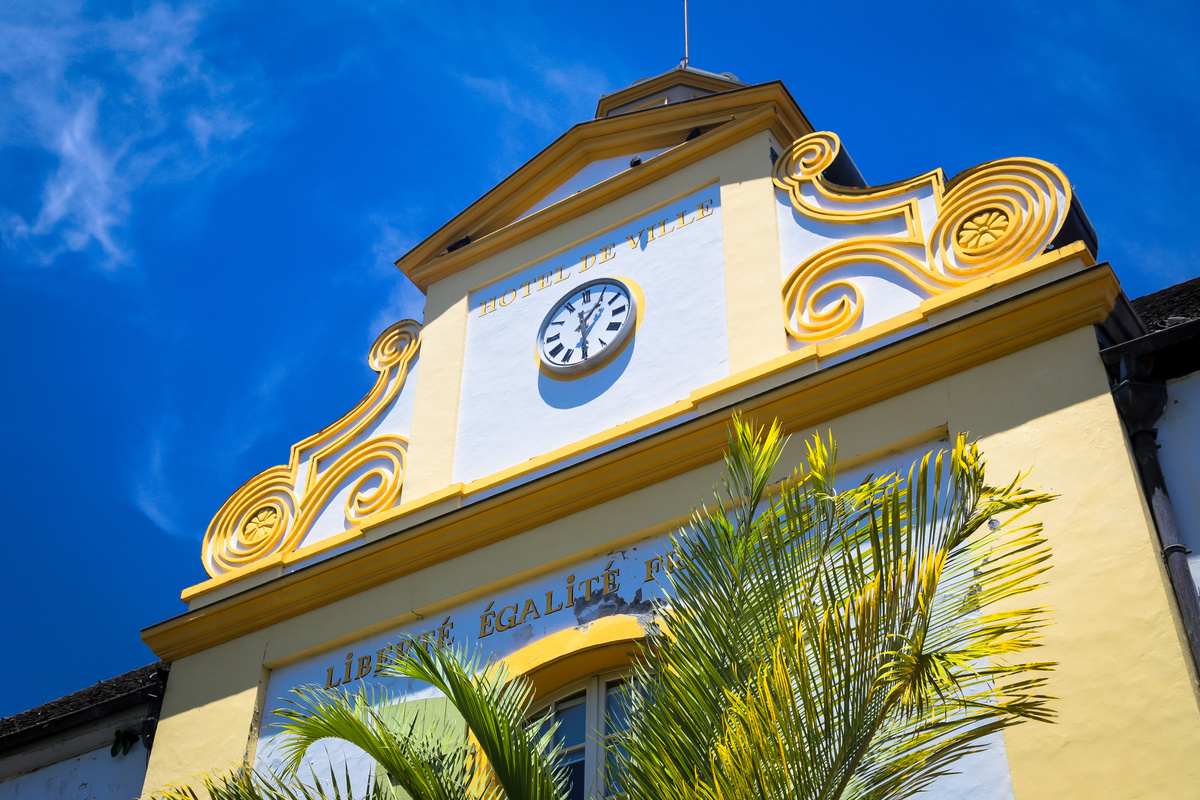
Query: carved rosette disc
{"type": "Point", "coordinates": [982, 230]}
{"type": "Point", "coordinates": [260, 524]}
{"type": "Point", "coordinates": [996, 216]}
{"type": "Point", "coordinates": [253, 523]}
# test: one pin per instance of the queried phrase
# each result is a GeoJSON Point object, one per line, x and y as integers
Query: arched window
{"type": "Point", "coordinates": [579, 678]}
{"type": "Point", "coordinates": [589, 713]}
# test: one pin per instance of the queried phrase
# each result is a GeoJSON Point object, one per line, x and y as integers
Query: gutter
{"type": "Point", "coordinates": [1143, 367]}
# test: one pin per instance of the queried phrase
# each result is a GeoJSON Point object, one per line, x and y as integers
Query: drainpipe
{"type": "Point", "coordinates": [1141, 398]}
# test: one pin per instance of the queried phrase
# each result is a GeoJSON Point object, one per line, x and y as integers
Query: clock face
{"type": "Point", "coordinates": [587, 326]}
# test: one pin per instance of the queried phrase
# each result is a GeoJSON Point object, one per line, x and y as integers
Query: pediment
{"type": "Point", "coordinates": [592, 173]}
{"type": "Point", "coordinates": [589, 164]}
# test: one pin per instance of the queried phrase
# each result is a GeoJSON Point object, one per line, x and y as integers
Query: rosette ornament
{"type": "Point", "coordinates": [988, 218]}
{"type": "Point", "coordinates": [274, 511]}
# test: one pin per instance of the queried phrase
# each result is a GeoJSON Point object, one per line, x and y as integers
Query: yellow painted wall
{"type": "Point", "coordinates": [754, 304]}
{"type": "Point", "coordinates": [435, 407]}
{"type": "Point", "coordinates": [207, 720]}
{"type": "Point", "coordinates": [1128, 724]}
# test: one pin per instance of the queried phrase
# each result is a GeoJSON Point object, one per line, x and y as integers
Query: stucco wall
{"type": "Point", "coordinates": [91, 776]}
{"type": "Point", "coordinates": [1179, 455]}
{"type": "Point", "coordinates": [1128, 724]}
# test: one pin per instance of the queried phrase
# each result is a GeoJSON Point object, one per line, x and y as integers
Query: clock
{"type": "Point", "coordinates": [587, 327]}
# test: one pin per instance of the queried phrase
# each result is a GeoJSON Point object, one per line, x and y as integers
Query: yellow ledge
{"type": "Point", "coordinates": [461, 494]}
{"type": "Point", "coordinates": [1083, 298]}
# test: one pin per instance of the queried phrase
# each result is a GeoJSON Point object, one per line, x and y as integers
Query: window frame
{"type": "Point", "coordinates": [595, 688]}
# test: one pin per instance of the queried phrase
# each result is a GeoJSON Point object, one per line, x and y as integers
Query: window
{"type": "Point", "coordinates": [588, 713]}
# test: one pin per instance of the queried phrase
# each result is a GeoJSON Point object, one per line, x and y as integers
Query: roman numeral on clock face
{"type": "Point", "coordinates": [584, 317]}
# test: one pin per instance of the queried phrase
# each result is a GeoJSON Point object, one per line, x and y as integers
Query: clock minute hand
{"type": "Point", "coordinates": [587, 320]}
{"type": "Point", "coordinates": [583, 332]}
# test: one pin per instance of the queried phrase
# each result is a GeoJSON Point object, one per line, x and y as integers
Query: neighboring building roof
{"type": "Point", "coordinates": [141, 685]}
{"type": "Point", "coordinates": [1171, 306]}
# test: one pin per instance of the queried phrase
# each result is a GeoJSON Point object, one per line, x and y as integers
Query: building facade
{"type": "Point", "coordinates": [591, 323]}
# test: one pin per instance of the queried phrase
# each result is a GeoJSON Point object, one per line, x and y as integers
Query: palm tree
{"type": "Point", "coordinates": [818, 644]}
{"type": "Point", "coordinates": [837, 645]}
{"type": "Point", "coordinates": [502, 754]}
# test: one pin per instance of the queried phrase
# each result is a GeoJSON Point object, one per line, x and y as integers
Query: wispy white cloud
{"type": "Point", "coordinates": [93, 110]}
{"type": "Point", "coordinates": [543, 100]}
{"type": "Point", "coordinates": [403, 300]}
{"type": "Point", "coordinates": [168, 463]}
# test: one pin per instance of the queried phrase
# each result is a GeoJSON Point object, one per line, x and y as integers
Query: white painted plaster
{"type": "Point", "coordinates": [1179, 454]}
{"type": "Point", "coordinates": [582, 455]}
{"type": "Point", "coordinates": [510, 411]}
{"type": "Point", "coordinates": [588, 176]}
{"type": "Point", "coordinates": [92, 776]}
{"type": "Point", "coordinates": [885, 292]}
{"type": "Point", "coordinates": [397, 420]}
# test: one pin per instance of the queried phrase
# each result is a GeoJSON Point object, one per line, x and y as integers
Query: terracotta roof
{"type": "Point", "coordinates": [1171, 306]}
{"type": "Point", "coordinates": [106, 697]}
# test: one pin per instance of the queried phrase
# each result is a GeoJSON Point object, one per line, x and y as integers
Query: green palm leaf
{"type": "Point", "coordinates": [837, 645]}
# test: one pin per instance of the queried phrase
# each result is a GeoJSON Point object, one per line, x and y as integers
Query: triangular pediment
{"type": "Point", "coordinates": [590, 164]}
{"type": "Point", "coordinates": [592, 173]}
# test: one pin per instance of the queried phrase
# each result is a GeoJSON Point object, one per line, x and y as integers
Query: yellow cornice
{"type": "Point", "coordinates": [675, 77]}
{"type": "Point", "coordinates": [1082, 298]}
{"type": "Point", "coordinates": [491, 221]}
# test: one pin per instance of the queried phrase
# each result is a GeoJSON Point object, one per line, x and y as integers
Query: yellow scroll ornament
{"type": "Point", "coordinates": [992, 216]}
{"type": "Point", "coordinates": [271, 514]}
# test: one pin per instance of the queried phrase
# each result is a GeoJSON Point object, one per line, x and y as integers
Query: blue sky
{"type": "Point", "coordinates": [200, 203]}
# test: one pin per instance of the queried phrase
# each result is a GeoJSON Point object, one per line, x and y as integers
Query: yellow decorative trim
{"type": "Point", "coordinates": [993, 216]}
{"type": "Point", "coordinates": [809, 355]}
{"type": "Point", "coordinates": [555, 660]}
{"type": "Point", "coordinates": [1049, 311]}
{"type": "Point", "coordinates": [270, 514]}
{"type": "Point", "coordinates": [492, 221]}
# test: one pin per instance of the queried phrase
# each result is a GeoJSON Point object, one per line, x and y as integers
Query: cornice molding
{"type": "Point", "coordinates": [492, 221]}
{"type": "Point", "coordinates": [675, 77]}
{"type": "Point", "coordinates": [1082, 298]}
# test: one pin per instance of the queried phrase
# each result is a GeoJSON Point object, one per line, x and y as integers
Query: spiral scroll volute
{"type": "Point", "coordinates": [253, 523]}
{"type": "Point", "coordinates": [804, 162]}
{"type": "Point", "coordinates": [998, 215]}
{"type": "Point", "coordinates": [375, 472]}
{"type": "Point", "coordinates": [395, 345]}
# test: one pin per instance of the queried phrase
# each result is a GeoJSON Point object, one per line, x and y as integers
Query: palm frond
{"type": "Point", "coordinates": [835, 645]}
{"type": "Point", "coordinates": [504, 755]}
{"type": "Point", "coordinates": [519, 756]}
{"type": "Point", "coordinates": [265, 784]}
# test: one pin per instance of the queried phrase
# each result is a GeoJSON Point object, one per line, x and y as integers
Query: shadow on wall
{"type": "Point", "coordinates": [580, 391]}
